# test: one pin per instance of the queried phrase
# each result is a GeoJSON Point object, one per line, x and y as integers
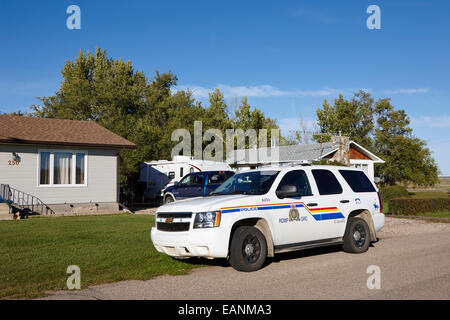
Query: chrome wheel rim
{"type": "Point", "coordinates": [251, 248]}
{"type": "Point", "coordinates": [359, 235]}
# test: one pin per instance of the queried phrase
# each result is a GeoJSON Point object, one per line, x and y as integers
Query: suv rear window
{"type": "Point", "coordinates": [326, 182]}
{"type": "Point", "coordinates": [357, 180]}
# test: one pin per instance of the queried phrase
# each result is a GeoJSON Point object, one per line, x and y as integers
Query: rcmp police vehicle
{"type": "Point", "coordinates": [258, 213]}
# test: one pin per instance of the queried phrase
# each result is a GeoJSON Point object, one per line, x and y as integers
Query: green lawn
{"type": "Point", "coordinates": [429, 194]}
{"type": "Point", "coordinates": [35, 253]}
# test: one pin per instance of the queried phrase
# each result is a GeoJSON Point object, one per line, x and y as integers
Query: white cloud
{"type": "Point", "coordinates": [257, 91]}
{"type": "Point", "coordinates": [408, 91]}
{"type": "Point", "coordinates": [431, 122]}
{"type": "Point", "coordinates": [290, 125]}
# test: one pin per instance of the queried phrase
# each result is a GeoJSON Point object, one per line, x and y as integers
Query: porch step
{"type": "Point", "coordinates": [4, 212]}
{"type": "Point", "coordinates": [4, 208]}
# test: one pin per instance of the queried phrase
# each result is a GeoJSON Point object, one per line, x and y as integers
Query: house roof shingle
{"type": "Point", "coordinates": [33, 130]}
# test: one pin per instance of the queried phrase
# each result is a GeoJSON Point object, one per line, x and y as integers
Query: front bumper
{"type": "Point", "coordinates": [208, 243]}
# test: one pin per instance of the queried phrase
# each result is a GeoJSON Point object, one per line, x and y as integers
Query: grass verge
{"type": "Point", "coordinates": [35, 253]}
{"type": "Point", "coordinates": [443, 216]}
{"type": "Point", "coordinates": [429, 194]}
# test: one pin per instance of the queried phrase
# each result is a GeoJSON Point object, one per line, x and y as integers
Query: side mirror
{"type": "Point", "coordinates": [175, 183]}
{"type": "Point", "coordinates": [287, 190]}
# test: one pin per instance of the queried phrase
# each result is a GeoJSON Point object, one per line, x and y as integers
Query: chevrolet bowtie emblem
{"type": "Point", "coordinates": [169, 220]}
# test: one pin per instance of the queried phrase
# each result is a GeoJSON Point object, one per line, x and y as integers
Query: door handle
{"type": "Point", "coordinates": [345, 201]}
{"type": "Point", "coordinates": [312, 204]}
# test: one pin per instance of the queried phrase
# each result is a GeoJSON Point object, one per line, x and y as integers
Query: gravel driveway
{"type": "Point", "coordinates": [413, 257]}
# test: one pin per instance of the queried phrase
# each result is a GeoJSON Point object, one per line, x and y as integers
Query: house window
{"type": "Point", "coordinates": [62, 168]}
{"type": "Point", "coordinates": [57, 168]}
{"type": "Point", "coordinates": [45, 168]}
{"type": "Point", "coordinates": [364, 167]}
{"type": "Point", "coordinates": [80, 171]}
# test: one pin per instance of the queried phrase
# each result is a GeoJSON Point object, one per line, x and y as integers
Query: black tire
{"type": "Point", "coordinates": [357, 236]}
{"type": "Point", "coordinates": [168, 199]}
{"type": "Point", "coordinates": [248, 249]}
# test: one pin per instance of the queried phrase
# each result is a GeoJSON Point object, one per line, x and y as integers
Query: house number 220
{"type": "Point", "coordinates": [13, 162]}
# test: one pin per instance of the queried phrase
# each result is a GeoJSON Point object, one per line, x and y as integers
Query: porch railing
{"type": "Point", "coordinates": [23, 200]}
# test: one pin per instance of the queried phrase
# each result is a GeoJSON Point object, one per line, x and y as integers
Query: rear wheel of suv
{"type": "Point", "coordinates": [357, 236]}
{"type": "Point", "coordinates": [248, 249]}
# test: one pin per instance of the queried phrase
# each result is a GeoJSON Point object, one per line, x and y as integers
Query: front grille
{"type": "Point", "coordinates": [176, 225]}
{"type": "Point", "coordinates": [175, 215]}
{"type": "Point", "coordinates": [173, 227]}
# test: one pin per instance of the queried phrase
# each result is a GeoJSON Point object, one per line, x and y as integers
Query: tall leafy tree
{"type": "Point", "coordinates": [123, 100]}
{"type": "Point", "coordinates": [384, 130]}
{"type": "Point", "coordinates": [407, 157]}
{"type": "Point", "coordinates": [352, 118]}
{"type": "Point", "coordinates": [144, 111]}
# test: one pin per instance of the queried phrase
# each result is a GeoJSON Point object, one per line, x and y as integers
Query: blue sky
{"type": "Point", "coordinates": [286, 56]}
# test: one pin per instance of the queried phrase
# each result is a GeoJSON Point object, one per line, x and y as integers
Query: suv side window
{"type": "Point", "coordinates": [215, 178]}
{"type": "Point", "coordinates": [357, 180]}
{"type": "Point", "coordinates": [326, 182]}
{"type": "Point", "coordinates": [185, 181]}
{"type": "Point", "coordinates": [299, 179]}
{"type": "Point", "coordinates": [197, 179]}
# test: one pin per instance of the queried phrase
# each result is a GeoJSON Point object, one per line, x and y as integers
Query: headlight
{"type": "Point", "coordinates": [209, 219]}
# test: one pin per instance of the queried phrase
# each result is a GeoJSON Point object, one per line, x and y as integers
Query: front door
{"type": "Point", "coordinates": [292, 220]}
{"type": "Point", "coordinates": [195, 188]}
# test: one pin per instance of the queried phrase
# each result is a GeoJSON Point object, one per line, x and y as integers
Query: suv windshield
{"type": "Point", "coordinates": [254, 183]}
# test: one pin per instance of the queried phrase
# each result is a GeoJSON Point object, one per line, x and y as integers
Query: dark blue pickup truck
{"type": "Point", "coordinates": [196, 184]}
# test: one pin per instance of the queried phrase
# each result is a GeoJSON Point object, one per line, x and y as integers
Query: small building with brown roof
{"type": "Point", "coordinates": [340, 149]}
{"type": "Point", "coordinates": [62, 166]}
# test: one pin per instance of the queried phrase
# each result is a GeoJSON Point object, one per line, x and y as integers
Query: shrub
{"type": "Point", "coordinates": [390, 192]}
{"type": "Point", "coordinates": [412, 207]}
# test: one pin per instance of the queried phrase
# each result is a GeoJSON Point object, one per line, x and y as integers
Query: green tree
{"type": "Point", "coordinates": [112, 93]}
{"type": "Point", "coordinates": [352, 118]}
{"type": "Point", "coordinates": [407, 158]}
{"type": "Point", "coordinates": [383, 130]}
{"type": "Point", "coordinates": [144, 111]}
{"type": "Point", "coordinates": [246, 118]}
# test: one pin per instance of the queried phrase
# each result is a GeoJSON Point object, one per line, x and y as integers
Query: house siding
{"type": "Point", "coordinates": [101, 175]}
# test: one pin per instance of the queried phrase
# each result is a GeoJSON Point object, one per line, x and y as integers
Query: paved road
{"type": "Point", "coordinates": [413, 257]}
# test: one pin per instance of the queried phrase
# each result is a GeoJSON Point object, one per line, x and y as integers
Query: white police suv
{"type": "Point", "coordinates": [257, 213]}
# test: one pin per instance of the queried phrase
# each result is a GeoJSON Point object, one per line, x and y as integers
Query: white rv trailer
{"type": "Point", "coordinates": [163, 173]}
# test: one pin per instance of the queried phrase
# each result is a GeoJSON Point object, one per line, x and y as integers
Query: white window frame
{"type": "Point", "coordinates": [73, 166]}
{"type": "Point", "coordinates": [360, 162]}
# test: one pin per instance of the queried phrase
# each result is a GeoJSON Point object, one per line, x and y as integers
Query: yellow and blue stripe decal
{"type": "Point", "coordinates": [318, 213]}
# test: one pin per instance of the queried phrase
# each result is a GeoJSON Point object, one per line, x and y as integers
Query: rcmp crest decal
{"type": "Point", "coordinates": [294, 215]}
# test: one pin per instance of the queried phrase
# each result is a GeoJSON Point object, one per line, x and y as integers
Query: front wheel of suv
{"type": "Point", "coordinates": [168, 199]}
{"type": "Point", "coordinates": [357, 236]}
{"type": "Point", "coordinates": [248, 249]}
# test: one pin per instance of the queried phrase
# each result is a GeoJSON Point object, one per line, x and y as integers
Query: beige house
{"type": "Point", "coordinates": [340, 149]}
{"type": "Point", "coordinates": [59, 166]}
